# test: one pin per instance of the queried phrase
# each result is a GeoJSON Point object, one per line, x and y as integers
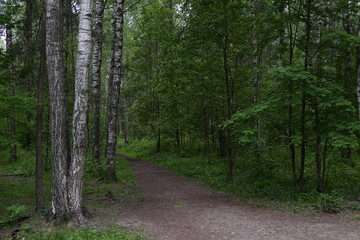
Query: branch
{"type": "Point", "coordinates": [133, 5]}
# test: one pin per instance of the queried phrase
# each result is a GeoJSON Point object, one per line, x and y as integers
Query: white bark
{"type": "Point", "coordinates": [97, 60]}
{"type": "Point", "coordinates": [114, 90]}
{"type": "Point", "coordinates": [79, 130]}
{"type": "Point", "coordinates": [57, 86]}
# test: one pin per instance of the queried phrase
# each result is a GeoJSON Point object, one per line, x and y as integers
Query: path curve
{"type": "Point", "coordinates": [175, 208]}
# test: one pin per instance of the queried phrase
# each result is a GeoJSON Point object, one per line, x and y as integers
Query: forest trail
{"type": "Point", "coordinates": [175, 208]}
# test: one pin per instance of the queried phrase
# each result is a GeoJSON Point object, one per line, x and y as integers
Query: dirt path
{"type": "Point", "coordinates": [174, 208]}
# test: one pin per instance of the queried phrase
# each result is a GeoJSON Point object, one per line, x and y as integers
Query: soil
{"type": "Point", "coordinates": [171, 207]}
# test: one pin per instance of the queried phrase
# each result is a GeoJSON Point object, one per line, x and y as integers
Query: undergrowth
{"type": "Point", "coordinates": [17, 195]}
{"type": "Point", "coordinates": [259, 182]}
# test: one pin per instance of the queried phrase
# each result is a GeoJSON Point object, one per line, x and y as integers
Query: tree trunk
{"type": "Point", "coordinates": [39, 117]}
{"type": "Point", "coordinates": [222, 144]}
{"type": "Point", "coordinates": [69, 68]}
{"type": "Point", "coordinates": [177, 136]}
{"type": "Point", "coordinates": [256, 63]}
{"type": "Point", "coordinates": [58, 109]}
{"type": "Point", "coordinates": [291, 142]}
{"type": "Point", "coordinates": [114, 91]}
{"type": "Point", "coordinates": [13, 151]}
{"type": "Point", "coordinates": [80, 122]}
{"type": "Point", "coordinates": [304, 97]}
{"type": "Point", "coordinates": [206, 134]}
{"type": "Point", "coordinates": [158, 141]}
{"type": "Point", "coordinates": [122, 118]}
{"type": "Point", "coordinates": [97, 62]}
{"type": "Point", "coordinates": [228, 132]}
{"type": "Point", "coordinates": [318, 160]}
{"type": "Point", "coordinates": [29, 60]}
{"type": "Point", "coordinates": [358, 69]}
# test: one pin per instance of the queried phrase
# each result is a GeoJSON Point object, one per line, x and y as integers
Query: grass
{"type": "Point", "coordinates": [113, 233]}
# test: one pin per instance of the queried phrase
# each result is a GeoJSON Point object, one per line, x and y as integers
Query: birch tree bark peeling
{"type": "Point", "coordinates": [113, 89]}
{"type": "Point", "coordinates": [57, 86]}
{"type": "Point", "coordinates": [76, 170]}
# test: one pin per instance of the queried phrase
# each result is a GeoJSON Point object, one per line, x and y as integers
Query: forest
{"type": "Point", "coordinates": [257, 98]}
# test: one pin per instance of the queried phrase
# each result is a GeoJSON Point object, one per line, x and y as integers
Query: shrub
{"type": "Point", "coordinates": [330, 203]}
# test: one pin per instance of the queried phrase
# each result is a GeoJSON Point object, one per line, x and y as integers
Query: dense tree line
{"type": "Point", "coordinates": [247, 77]}
{"type": "Point", "coordinates": [233, 79]}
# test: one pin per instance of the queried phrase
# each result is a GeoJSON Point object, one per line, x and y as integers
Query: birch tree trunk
{"type": "Point", "coordinates": [57, 87]}
{"type": "Point", "coordinates": [79, 133]}
{"type": "Point", "coordinates": [97, 61]}
{"type": "Point", "coordinates": [114, 91]}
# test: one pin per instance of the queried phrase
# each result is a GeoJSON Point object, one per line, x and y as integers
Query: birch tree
{"type": "Point", "coordinates": [80, 113]}
{"type": "Point", "coordinates": [97, 62]}
{"type": "Point", "coordinates": [57, 86]}
{"type": "Point", "coordinates": [113, 91]}
{"type": "Point", "coordinates": [67, 181]}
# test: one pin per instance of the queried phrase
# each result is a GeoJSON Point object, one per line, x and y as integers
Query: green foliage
{"type": "Point", "coordinates": [254, 181]}
{"type": "Point", "coordinates": [125, 186]}
{"type": "Point", "coordinates": [25, 164]}
{"type": "Point", "coordinates": [138, 148]}
{"type": "Point", "coordinates": [330, 203]}
{"type": "Point", "coordinates": [14, 214]}
{"type": "Point", "coordinates": [114, 233]}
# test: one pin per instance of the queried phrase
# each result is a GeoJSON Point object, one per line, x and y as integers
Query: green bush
{"type": "Point", "coordinates": [330, 203]}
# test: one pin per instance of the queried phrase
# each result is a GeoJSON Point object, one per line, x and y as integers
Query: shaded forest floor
{"type": "Point", "coordinates": [172, 207]}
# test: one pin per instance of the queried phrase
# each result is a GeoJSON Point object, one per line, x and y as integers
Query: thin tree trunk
{"type": "Point", "coordinates": [346, 153]}
{"type": "Point", "coordinates": [122, 120]}
{"type": "Point", "coordinates": [80, 114]}
{"type": "Point", "coordinates": [318, 159]}
{"type": "Point", "coordinates": [206, 134]}
{"type": "Point", "coordinates": [29, 59]}
{"type": "Point", "coordinates": [114, 91]}
{"type": "Point", "coordinates": [358, 69]}
{"type": "Point", "coordinates": [324, 162]}
{"type": "Point", "coordinates": [228, 132]}
{"type": "Point", "coordinates": [39, 117]}
{"type": "Point", "coordinates": [158, 141]}
{"type": "Point", "coordinates": [304, 97]}
{"type": "Point", "coordinates": [291, 141]}
{"type": "Point", "coordinates": [13, 149]}
{"type": "Point", "coordinates": [222, 144]}
{"type": "Point", "coordinates": [58, 109]}
{"type": "Point", "coordinates": [256, 63]}
{"type": "Point", "coordinates": [97, 62]}
{"type": "Point", "coordinates": [292, 40]}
